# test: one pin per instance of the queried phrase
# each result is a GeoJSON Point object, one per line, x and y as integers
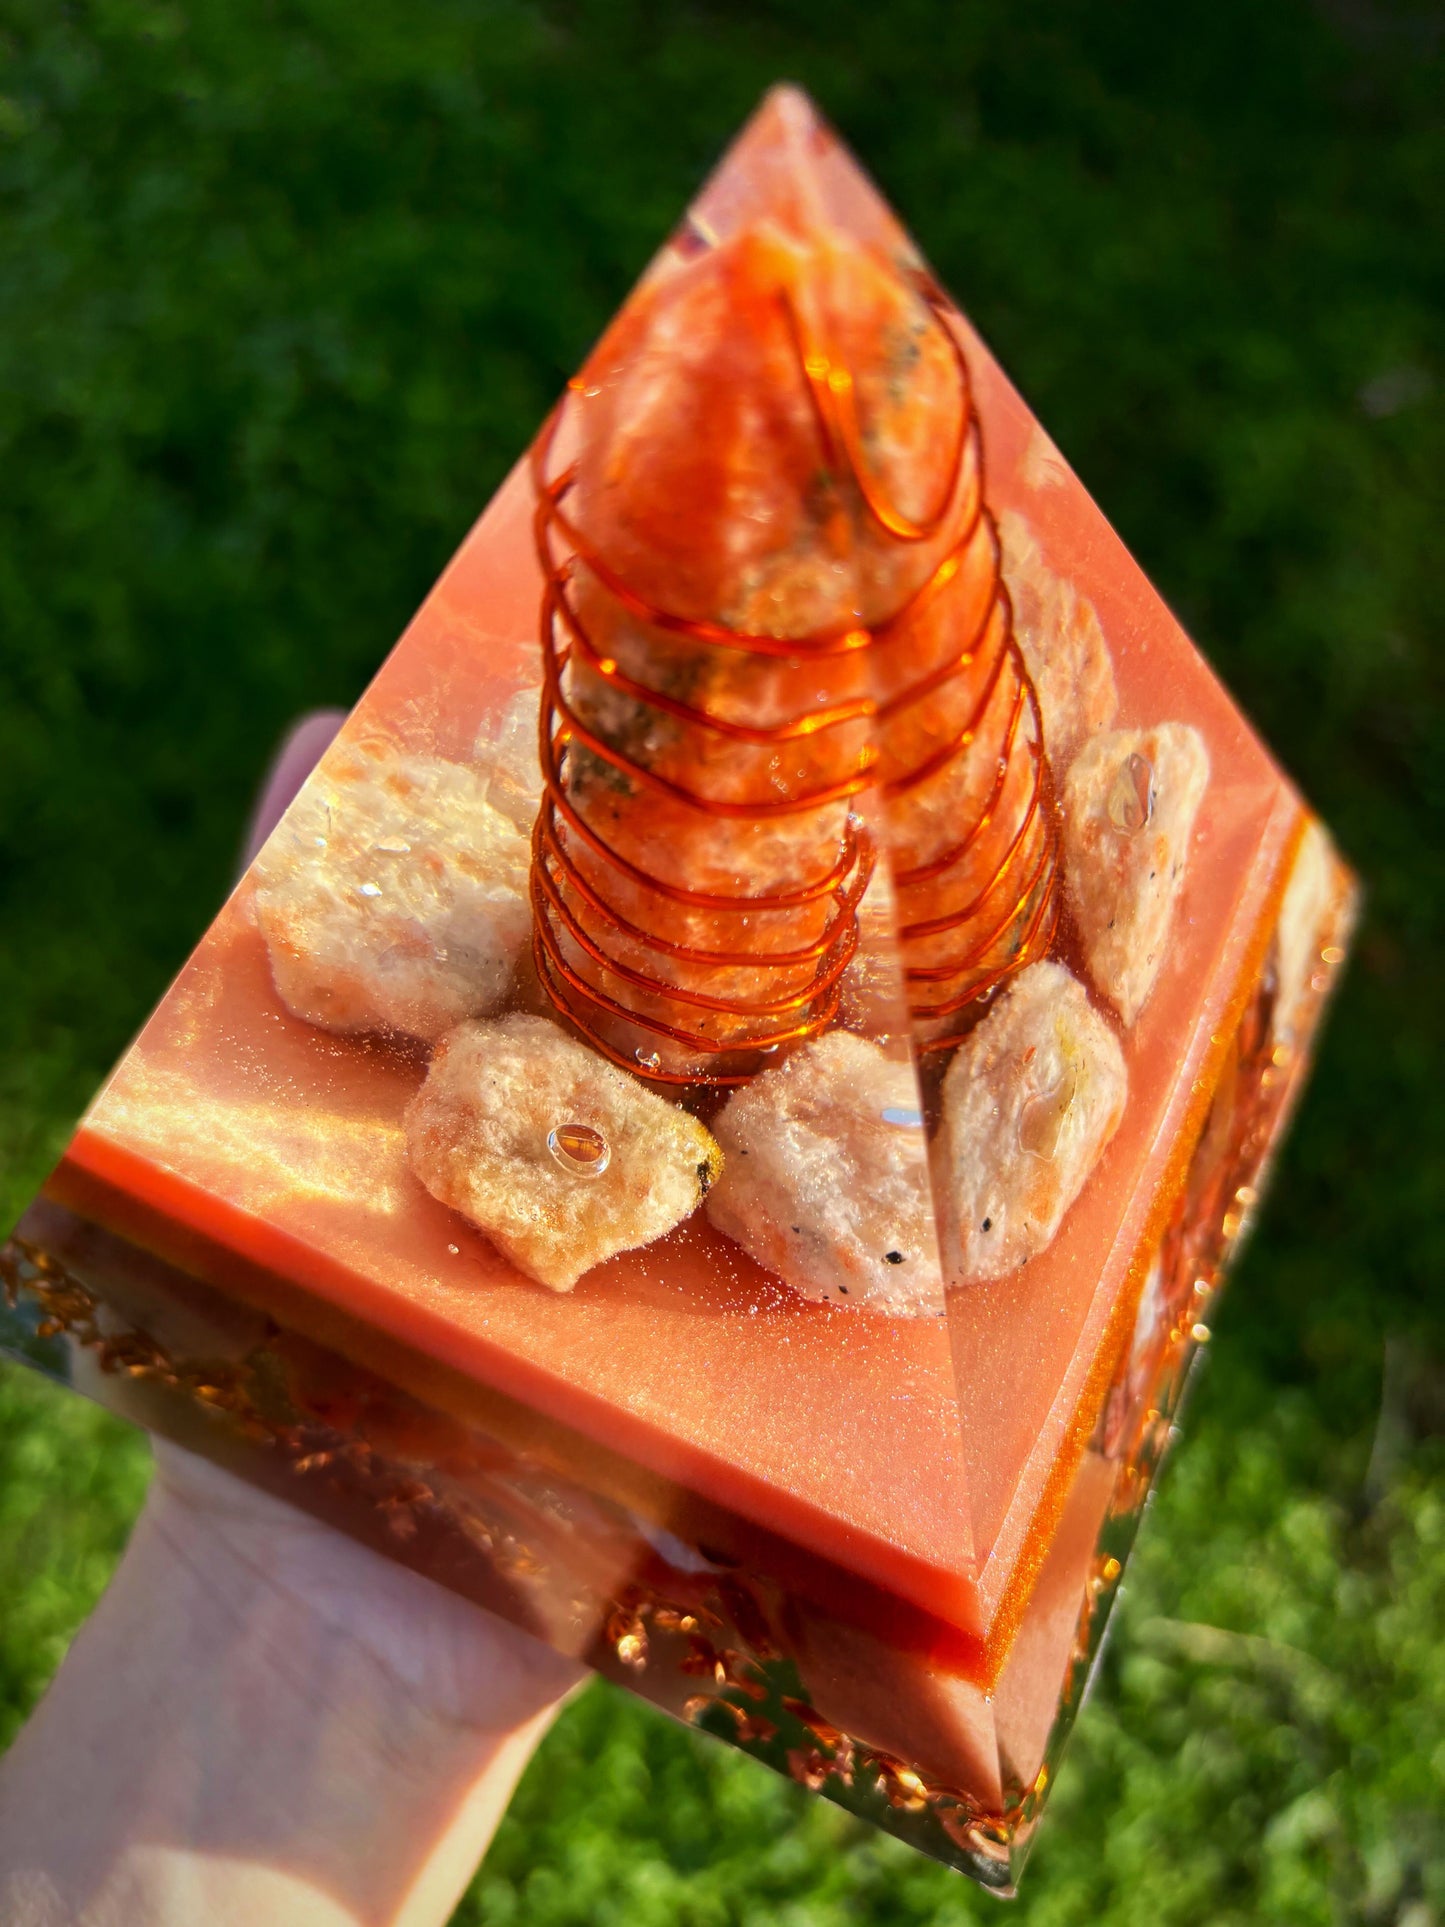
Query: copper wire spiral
{"type": "Point", "coordinates": [953, 951]}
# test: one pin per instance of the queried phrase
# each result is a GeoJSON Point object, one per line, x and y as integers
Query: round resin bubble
{"type": "Point", "coordinates": [581, 1151]}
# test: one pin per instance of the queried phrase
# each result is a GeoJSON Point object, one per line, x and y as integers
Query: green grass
{"type": "Point", "coordinates": [285, 285]}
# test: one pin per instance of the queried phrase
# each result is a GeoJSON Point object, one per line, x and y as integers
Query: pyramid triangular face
{"type": "Point", "coordinates": [732, 1015]}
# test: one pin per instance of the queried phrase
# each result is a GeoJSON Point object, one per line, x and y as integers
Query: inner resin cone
{"type": "Point", "coordinates": [776, 638]}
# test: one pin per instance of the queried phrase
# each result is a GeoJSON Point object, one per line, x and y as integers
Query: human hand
{"type": "Point", "coordinates": [264, 1721]}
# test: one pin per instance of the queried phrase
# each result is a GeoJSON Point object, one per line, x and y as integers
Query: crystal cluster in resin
{"type": "Point", "coordinates": [714, 1122]}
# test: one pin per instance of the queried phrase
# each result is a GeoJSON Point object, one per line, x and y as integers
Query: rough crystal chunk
{"type": "Point", "coordinates": [1062, 641]}
{"type": "Point", "coordinates": [393, 896]}
{"type": "Point", "coordinates": [825, 1177]}
{"type": "Point", "coordinates": [1131, 798]}
{"type": "Point", "coordinates": [1029, 1103]}
{"type": "Point", "coordinates": [561, 1160]}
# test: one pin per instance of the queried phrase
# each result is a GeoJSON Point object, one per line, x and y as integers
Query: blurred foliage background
{"type": "Point", "coordinates": [285, 286]}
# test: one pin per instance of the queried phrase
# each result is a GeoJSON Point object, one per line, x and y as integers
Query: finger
{"type": "Point", "coordinates": [301, 750]}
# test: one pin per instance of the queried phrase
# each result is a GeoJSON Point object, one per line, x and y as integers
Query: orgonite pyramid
{"type": "Point", "coordinates": [714, 1122]}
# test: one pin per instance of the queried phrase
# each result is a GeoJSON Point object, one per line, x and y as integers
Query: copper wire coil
{"type": "Point", "coordinates": [583, 936]}
{"type": "Point", "coordinates": [562, 893]}
{"type": "Point", "coordinates": [1015, 906]}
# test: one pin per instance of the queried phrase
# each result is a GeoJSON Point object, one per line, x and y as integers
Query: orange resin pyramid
{"type": "Point", "coordinates": [713, 1123]}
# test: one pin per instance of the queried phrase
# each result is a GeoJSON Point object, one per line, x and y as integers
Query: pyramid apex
{"type": "Point", "coordinates": [788, 165]}
{"type": "Point", "coordinates": [792, 103]}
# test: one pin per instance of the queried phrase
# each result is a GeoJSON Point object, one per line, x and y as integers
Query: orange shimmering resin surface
{"type": "Point", "coordinates": [866, 695]}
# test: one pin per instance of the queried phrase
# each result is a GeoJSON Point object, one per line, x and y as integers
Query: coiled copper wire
{"type": "Point", "coordinates": [953, 952]}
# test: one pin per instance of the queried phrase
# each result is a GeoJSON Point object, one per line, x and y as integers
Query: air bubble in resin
{"type": "Point", "coordinates": [1131, 795]}
{"type": "Point", "coordinates": [581, 1151]}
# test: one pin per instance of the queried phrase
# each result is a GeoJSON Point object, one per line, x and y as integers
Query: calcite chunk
{"type": "Point", "coordinates": [561, 1159]}
{"type": "Point", "coordinates": [1306, 915]}
{"type": "Point", "coordinates": [1063, 644]}
{"type": "Point", "coordinates": [826, 1179]}
{"type": "Point", "coordinates": [393, 896]}
{"type": "Point", "coordinates": [506, 753]}
{"type": "Point", "coordinates": [1129, 804]}
{"type": "Point", "coordinates": [1029, 1103]}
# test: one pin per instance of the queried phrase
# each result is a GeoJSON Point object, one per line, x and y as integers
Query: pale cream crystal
{"type": "Point", "coordinates": [1062, 642]}
{"type": "Point", "coordinates": [1305, 917]}
{"type": "Point", "coordinates": [1042, 465]}
{"type": "Point", "coordinates": [1029, 1103]}
{"type": "Point", "coordinates": [507, 751]}
{"type": "Point", "coordinates": [559, 1157]}
{"type": "Point", "coordinates": [1129, 804]}
{"type": "Point", "coordinates": [393, 896]}
{"type": "Point", "coordinates": [826, 1177]}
